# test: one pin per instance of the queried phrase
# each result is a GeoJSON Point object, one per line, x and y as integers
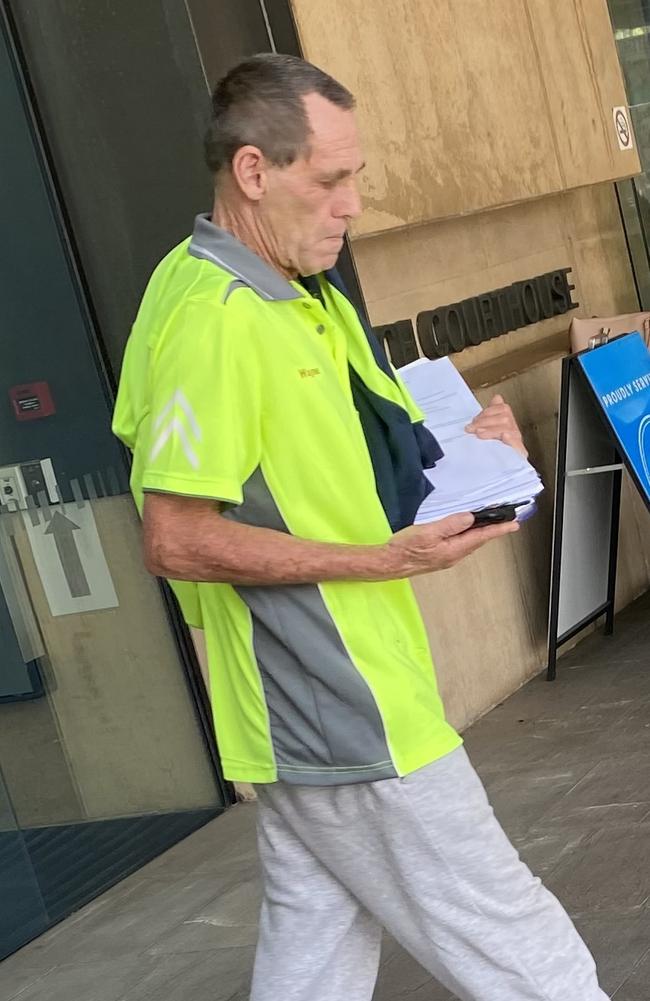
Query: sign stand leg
{"type": "Point", "coordinates": [587, 513]}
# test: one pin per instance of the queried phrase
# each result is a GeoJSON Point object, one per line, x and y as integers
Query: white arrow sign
{"type": "Point", "coordinates": [70, 560]}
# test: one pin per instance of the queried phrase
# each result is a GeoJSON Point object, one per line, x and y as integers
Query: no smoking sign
{"type": "Point", "coordinates": [623, 129]}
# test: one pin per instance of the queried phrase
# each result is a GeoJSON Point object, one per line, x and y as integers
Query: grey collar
{"type": "Point", "coordinates": [217, 245]}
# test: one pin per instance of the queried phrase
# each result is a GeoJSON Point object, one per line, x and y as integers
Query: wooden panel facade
{"type": "Point", "coordinates": [466, 105]}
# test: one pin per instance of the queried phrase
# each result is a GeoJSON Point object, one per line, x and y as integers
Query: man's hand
{"type": "Point", "coordinates": [498, 421]}
{"type": "Point", "coordinates": [424, 548]}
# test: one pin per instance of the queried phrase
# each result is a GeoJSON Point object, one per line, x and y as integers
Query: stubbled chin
{"type": "Point", "coordinates": [328, 262]}
{"type": "Point", "coordinates": [321, 263]}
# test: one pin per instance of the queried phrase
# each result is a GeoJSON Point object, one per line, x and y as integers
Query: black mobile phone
{"type": "Point", "coordinates": [494, 515]}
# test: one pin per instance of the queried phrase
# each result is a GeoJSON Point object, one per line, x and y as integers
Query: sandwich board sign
{"type": "Point", "coordinates": [604, 428]}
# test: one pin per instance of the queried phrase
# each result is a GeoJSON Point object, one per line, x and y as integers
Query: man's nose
{"type": "Point", "coordinates": [349, 205]}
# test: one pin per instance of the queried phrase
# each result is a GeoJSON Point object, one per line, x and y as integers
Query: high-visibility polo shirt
{"type": "Point", "coordinates": [236, 387]}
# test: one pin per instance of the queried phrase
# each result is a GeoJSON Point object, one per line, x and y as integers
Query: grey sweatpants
{"type": "Point", "coordinates": [424, 857]}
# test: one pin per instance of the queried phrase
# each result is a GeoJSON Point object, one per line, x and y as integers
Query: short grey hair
{"type": "Point", "coordinates": [260, 103]}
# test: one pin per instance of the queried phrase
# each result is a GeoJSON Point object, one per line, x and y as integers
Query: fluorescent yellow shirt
{"type": "Point", "coordinates": [235, 387]}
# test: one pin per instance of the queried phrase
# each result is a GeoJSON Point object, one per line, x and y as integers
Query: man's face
{"type": "Point", "coordinates": [308, 205]}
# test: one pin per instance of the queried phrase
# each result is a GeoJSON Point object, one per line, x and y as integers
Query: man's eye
{"type": "Point", "coordinates": [329, 184]}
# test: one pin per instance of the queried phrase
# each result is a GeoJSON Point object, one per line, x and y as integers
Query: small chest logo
{"type": "Point", "coordinates": [308, 373]}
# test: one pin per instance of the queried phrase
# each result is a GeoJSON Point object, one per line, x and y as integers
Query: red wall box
{"type": "Point", "coordinates": [31, 401]}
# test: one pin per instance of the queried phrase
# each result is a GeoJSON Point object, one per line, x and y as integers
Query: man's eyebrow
{"type": "Point", "coordinates": [339, 175]}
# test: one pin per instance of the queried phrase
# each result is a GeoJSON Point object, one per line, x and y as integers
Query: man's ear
{"type": "Point", "coordinates": [249, 171]}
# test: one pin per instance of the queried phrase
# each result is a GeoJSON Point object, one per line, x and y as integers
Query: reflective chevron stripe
{"type": "Point", "coordinates": [179, 398]}
{"type": "Point", "coordinates": [175, 426]}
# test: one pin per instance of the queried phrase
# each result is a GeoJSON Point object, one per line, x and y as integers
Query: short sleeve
{"type": "Point", "coordinates": [203, 434]}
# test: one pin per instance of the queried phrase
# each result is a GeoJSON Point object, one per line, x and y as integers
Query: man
{"type": "Point", "coordinates": [277, 459]}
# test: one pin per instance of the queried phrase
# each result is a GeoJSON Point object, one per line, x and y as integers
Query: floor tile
{"type": "Point", "coordinates": [618, 779]}
{"type": "Point", "coordinates": [519, 798]}
{"type": "Point", "coordinates": [13, 983]}
{"type": "Point", "coordinates": [636, 986]}
{"type": "Point", "coordinates": [228, 921]}
{"type": "Point", "coordinates": [131, 924]}
{"type": "Point", "coordinates": [543, 851]}
{"type": "Point", "coordinates": [216, 976]}
{"type": "Point", "coordinates": [105, 981]}
{"type": "Point", "coordinates": [608, 871]}
{"type": "Point", "coordinates": [401, 976]}
{"type": "Point", "coordinates": [618, 941]}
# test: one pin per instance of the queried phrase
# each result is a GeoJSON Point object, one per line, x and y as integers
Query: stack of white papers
{"type": "Point", "coordinates": [474, 473]}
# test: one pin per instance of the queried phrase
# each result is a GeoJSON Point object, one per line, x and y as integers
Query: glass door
{"type": "Point", "coordinates": [22, 911]}
{"type": "Point", "coordinates": [103, 759]}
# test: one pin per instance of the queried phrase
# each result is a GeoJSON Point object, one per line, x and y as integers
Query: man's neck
{"type": "Point", "coordinates": [243, 226]}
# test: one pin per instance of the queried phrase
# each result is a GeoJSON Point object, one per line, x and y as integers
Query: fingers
{"type": "Point", "coordinates": [454, 524]}
{"type": "Point", "coordinates": [457, 530]}
{"type": "Point", "coordinates": [489, 532]}
{"type": "Point", "coordinates": [498, 412]}
{"type": "Point", "coordinates": [490, 423]}
{"type": "Point", "coordinates": [497, 422]}
{"type": "Point", "coordinates": [464, 545]}
{"type": "Point", "coordinates": [501, 412]}
{"type": "Point", "coordinates": [511, 438]}
{"type": "Point", "coordinates": [515, 441]}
